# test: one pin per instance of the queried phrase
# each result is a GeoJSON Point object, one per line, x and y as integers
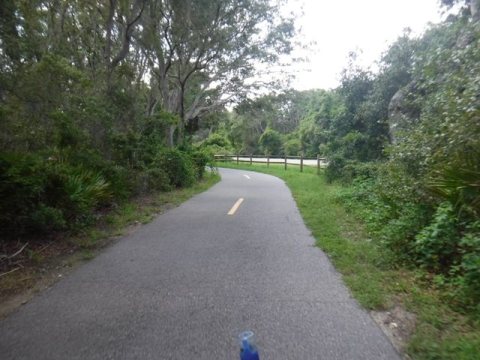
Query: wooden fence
{"type": "Point", "coordinates": [300, 161]}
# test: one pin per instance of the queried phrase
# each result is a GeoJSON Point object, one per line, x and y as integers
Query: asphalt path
{"type": "Point", "coordinates": [185, 285]}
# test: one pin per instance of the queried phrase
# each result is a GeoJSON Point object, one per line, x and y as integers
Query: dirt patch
{"type": "Point", "coordinates": [52, 262]}
{"type": "Point", "coordinates": [38, 267]}
{"type": "Point", "coordinates": [397, 324]}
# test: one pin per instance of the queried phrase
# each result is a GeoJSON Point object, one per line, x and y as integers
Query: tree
{"type": "Point", "coordinates": [472, 5]}
{"type": "Point", "coordinates": [210, 46]}
{"type": "Point", "coordinates": [271, 142]}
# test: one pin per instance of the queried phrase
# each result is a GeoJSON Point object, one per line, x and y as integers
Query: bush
{"type": "Point", "coordinates": [60, 191]}
{"type": "Point", "coordinates": [393, 224]}
{"type": "Point", "coordinates": [200, 160]}
{"type": "Point", "coordinates": [120, 179]}
{"type": "Point", "coordinates": [271, 142]}
{"type": "Point", "coordinates": [437, 245]}
{"type": "Point", "coordinates": [292, 147]}
{"type": "Point", "coordinates": [22, 183]}
{"type": "Point", "coordinates": [334, 169]}
{"type": "Point", "coordinates": [157, 179]}
{"type": "Point", "coordinates": [218, 140]}
{"type": "Point", "coordinates": [178, 166]}
{"type": "Point", "coordinates": [397, 230]}
{"type": "Point", "coordinates": [41, 195]}
{"type": "Point", "coordinates": [46, 219]}
{"type": "Point", "coordinates": [77, 191]}
{"type": "Point", "coordinates": [346, 171]}
{"type": "Point", "coordinates": [470, 261]}
{"type": "Point", "coordinates": [216, 144]}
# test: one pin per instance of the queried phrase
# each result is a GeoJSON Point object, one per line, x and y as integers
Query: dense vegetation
{"type": "Point", "coordinates": [406, 141]}
{"type": "Point", "coordinates": [98, 100]}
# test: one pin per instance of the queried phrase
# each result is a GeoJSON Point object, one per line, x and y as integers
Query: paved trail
{"type": "Point", "coordinates": [184, 286]}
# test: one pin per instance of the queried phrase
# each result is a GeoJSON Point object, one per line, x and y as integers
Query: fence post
{"type": "Point", "coordinates": [268, 160]}
{"type": "Point", "coordinates": [237, 159]}
{"type": "Point", "coordinates": [318, 164]}
{"type": "Point", "coordinates": [301, 162]}
{"type": "Point", "coordinates": [251, 155]}
{"type": "Point", "coordinates": [285, 162]}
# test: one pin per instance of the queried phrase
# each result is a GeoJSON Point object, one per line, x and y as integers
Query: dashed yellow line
{"type": "Point", "coordinates": [235, 207]}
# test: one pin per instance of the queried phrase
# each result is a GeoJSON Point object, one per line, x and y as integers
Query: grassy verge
{"type": "Point", "coordinates": [42, 263]}
{"type": "Point", "coordinates": [371, 273]}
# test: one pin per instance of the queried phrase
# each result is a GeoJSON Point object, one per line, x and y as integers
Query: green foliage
{"type": "Point", "coordinates": [44, 194]}
{"type": "Point", "coordinates": [201, 158]}
{"type": "Point", "coordinates": [156, 179]}
{"type": "Point", "coordinates": [84, 189]}
{"type": "Point", "coordinates": [335, 167]}
{"type": "Point", "coordinates": [217, 143]}
{"type": "Point", "coordinates": [61, 191]}
{"type": "Point", "coordinates": [393, 220]}
{"type": "Point", "coordinates": [178, 166]}
{"type": "Point", "coordinates": [218, 140]}
{"type": "Point", "coordinates": [459, 182]}
{"type": "Point", "coordinates": [270, 142]}
{"type": "Point", "coordinates": [315, 128]}
{"type": "Point", "coordinates": [292, 147]}
{"type": "Point", "coordinates": [120, 180]}
{"type": "Point", "coordinates": [436, 246]}
{"type": "Point", "coordinates": [46, 219]}
{"type": "Point", "coordinates": [81, 126]}
{"type": "Point", "coordinates": [470, 262]}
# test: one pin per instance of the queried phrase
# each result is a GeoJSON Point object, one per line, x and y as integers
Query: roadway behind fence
{"type": "Point", "coordinates": [300, 161]}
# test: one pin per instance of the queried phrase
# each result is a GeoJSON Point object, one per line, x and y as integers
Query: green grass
{"type": "Point", "coordinates": [371, 272]}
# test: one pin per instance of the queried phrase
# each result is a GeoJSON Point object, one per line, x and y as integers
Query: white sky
{"type": "Point", "coordinates": [339, 27]}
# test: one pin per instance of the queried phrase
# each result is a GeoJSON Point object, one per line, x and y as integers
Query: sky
{"type": "Point", "coordinates": [339, 27]}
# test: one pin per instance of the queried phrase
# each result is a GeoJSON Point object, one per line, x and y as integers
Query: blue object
{"type": "Point", "coordinates": [248, 350]}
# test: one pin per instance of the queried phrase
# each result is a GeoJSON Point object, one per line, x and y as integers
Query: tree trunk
{"type": "Point", "coordinates": [474, 7]}
{"type": "Point", "coordinates": [171, 133]}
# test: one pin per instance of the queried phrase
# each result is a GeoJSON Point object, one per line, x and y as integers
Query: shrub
{"type": "Point", "coordinates": [292, 147]}
{"type": "Point", "coordinates": [437, 245]}
{"type": "Point", "coordinates": [216, 144]}
{"type": "Point", "coordinates": [218, 140]}
{"type": "Point", "coordinates": [334, 170]}
{"type": "Point", "coordinates": [22, 182]}
{"type": "Point", "coordinates": [470, 261]}
{"type": "Point", "coordinates": [271, 142]}
{"type": "Point", "coordinates": [178, 166]}
{"type": "Point", "coordinates": [120, 179]}
{"type": "Point", "coordinates": [397, 230]}
{"type": "Point", "coordinates": [44, 195]}
{"type": "Point", "coordinates": [354, 169]}
{"type": "Point", "coordinates": [200, 160]}
{"type": "Point", "coordinates": [78, 191]}
{"type": "Point", "coordinates": [157, 179]}
{"type": "Point", "coordinates": [346, 171]}
{"type": "Point", "coordinates": [46, 219]}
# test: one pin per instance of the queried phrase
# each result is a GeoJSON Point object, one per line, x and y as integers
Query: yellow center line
{"type": "Point", "coordinates": [235, 207]}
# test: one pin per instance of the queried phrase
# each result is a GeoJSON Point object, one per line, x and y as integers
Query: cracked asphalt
{"type": "Point", "coordinates": [185, 285]}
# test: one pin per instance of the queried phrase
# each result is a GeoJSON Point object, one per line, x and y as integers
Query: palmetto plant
{"type": "Point", "coordinates": [459, 183]}
{"type": "Point", "coordinates": [86, 189]}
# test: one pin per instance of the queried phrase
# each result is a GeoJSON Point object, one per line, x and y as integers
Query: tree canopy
{"type": "Point", "coordinates": [92, 93]}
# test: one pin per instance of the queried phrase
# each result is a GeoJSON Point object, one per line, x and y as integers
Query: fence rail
{"type": "Point", "coordinates": [319, 162]}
